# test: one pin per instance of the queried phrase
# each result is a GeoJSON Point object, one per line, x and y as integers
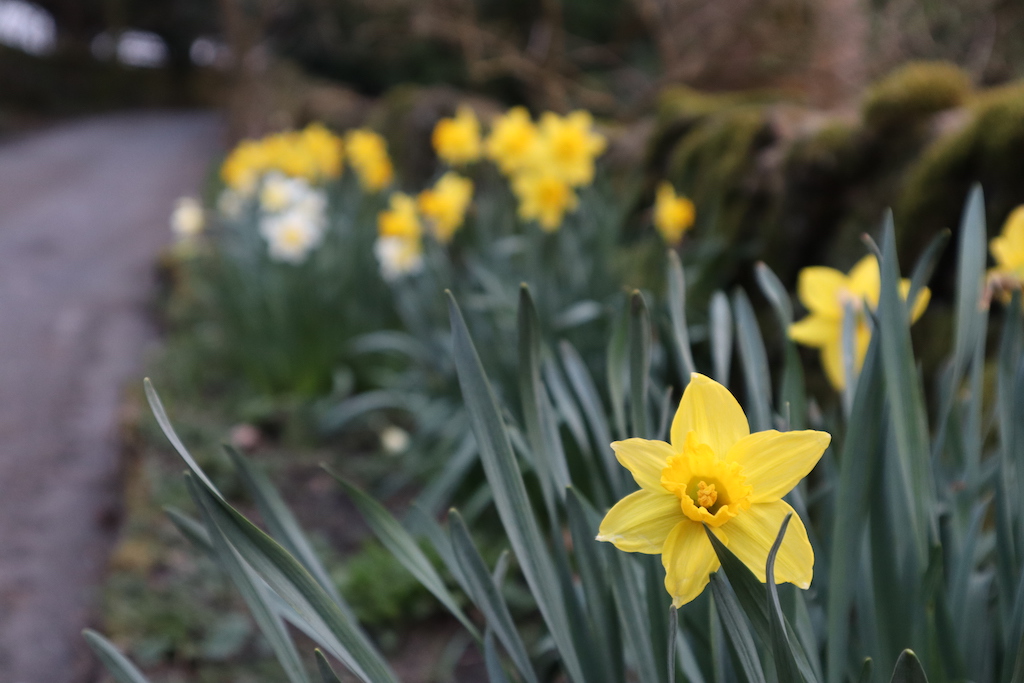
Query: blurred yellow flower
{"type": "Point", "coordinates": [568, 146]}
{"type": "Point", "coordinates": [445, 204]}
{"type": "Point", "coordinates": [457, 140]}
{"type": "Point", "coordinates": [187, 219]}
{"type": "Point", "coordinates": [673, 215]}
{"type": "Point", "coordinates": [714, 472]}
{"type": "Point", "coordinates": [400, 218]}
{"type": "Point", "coordinates": [826, 293]}
{"type": "Point", "coordinates": [313, 154]}
{"type": "Point", "coordinates": [368, 155]}
{"type": "Point", "coordinates": [544, 197]}
{"type": "Point", "coordinates": [512, 140]}
{"type": "Point", "coordinates": [1008, 252]}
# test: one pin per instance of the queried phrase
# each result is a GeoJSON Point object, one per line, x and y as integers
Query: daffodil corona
{"type": "Point", "coordinates": [714, 472]}
{"type": "Point", "coordinates": [827, 294]}
{"type": "Point", "coordinates": [673, 215]}
{"type": "Point", "coordinates": [457, 140]}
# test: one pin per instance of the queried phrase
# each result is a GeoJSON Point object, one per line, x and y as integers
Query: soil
{"type": "Point", "coordinates": [83, 216]}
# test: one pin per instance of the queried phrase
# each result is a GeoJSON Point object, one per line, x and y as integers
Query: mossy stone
{"type": "Point", "coordinates": [913, 93]}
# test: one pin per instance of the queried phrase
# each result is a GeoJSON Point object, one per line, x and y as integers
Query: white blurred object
{"type": "Point", "coordinates": [132, 47]}
{"type": "Point", "coordinates": [398, 256]}
{"type": "Point", "coordinates": [206, 51]}
{"type": "Point", "coordinates": [27, 27]}
{"type": "Point", "coordinates": [291, 235]}
{"type": "Point", "coordinates": [187, 218]}
{"type": "Point", "coordinates": [394, 440]}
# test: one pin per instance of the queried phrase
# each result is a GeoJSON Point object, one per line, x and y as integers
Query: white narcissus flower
{"type": "Point", "coordinates": [395, 440]}
{"type": "Point", "coordinates": [280, 193]}
{"type": "Point", "coordinates": [187, 218]}
{"type": "Point", "coordinates": [292, 235]}
{"type": "Point", "coordinates": [398, 256]}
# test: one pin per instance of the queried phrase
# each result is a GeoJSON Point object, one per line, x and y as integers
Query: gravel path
{"type": "Point", "coordinates": [83, 213]}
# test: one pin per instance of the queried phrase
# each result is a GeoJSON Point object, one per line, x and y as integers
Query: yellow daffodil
{"type": "Point", "coordinates": [368, 155]}
{"type": "Point", "coordinates": [400, 218]}
{"type": "Point", "coordinates": [568, 146]}
{"type": "Point", "coordinates": [512, 140]}
{"type": "Point", "coordinates": [714, 472]}
{"type": "Point", "coordinates": [1008, 252]}
{"type": "Point", "coordinates": [545, 198]}
{"type": "Point", "coordinates": [325, 148]}
{"type": "Point", "coordinates": [457, 140]}
{"type": "Point", "coordinates": [445, 204]}
{"type": "Point", "coordinates": [826, 293]}
{"type": "Point", "coordinates": [673, 215]}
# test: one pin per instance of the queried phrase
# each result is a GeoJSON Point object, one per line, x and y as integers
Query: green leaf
{"type": "Point", "coordinates": [677, 316]}
{"type": "Point", "coordinates": [673, 637]}
{"type": "Point", "coordinates": [592, 562]}
{"type": "Point", "coordinates": [737, 629]}
{"type": "Point", "coordinates": [168, 429]}
{"type": "Point", "coordinates": [906, 404]}
{"type": "Point", "coordinates": [509, 492]}
{"type": "Point", "coordinates": [495, 672]}
{"type": "Point", "coordinates": [116, 663]}
{"type": "Point", "coordinates": [486, 595]}
{"type": "Point", "coordinates": [865, 672]}
{"type": "Point", "coordinates": [1018, 665]}
{"type": "Point", "coordinates": [792, 396]}
{"type": "Point", "coordinates": [403, 546]}
{"type": "Point", "coordinates": [753, 598]}
{"type": "Point", "coordinates": [324, 667]}
{"type": "Point", "coordinates": [785, 659]}
{"type": "Point", "coordinates": [721, 336]}
{"type": "Point", "coordinates": [254, 591]}
{"type": "Point", "coordinates": [190, 529]}
{"type": "Point", "coordinates": [541, 428]}
{"type": "Point", "coordinates": [629, 600]}
{"type": "Point", "coordinates": [284, 574]}
{"type": "Point", "coordinates": [926, 263]}
{"type": "Point", "coordinates": [639, 363]}
{"type": "Point", "coordinates": [281, 522]}
{"type": "Point", "coordinates": [908, 669]}
{"type": "Point", "coordinates": [617, 370]}
{"type": "Point", "coordinates": [755, 363]}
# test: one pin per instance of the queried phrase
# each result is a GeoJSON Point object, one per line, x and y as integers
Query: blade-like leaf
{"type": "Point", "coordinates": [116, 663]}
{"type": "Point", "coordinates": [253, 591]}
{"type": "Point", "coordinates": [755, 363]}
{"type": "Point", "coordinates": [403, 546]}
{"type": "Point", "coordinates": [168, 429]}
{"type": "Point", "coordinates": [509, 491]}
{"type": "Point", "coordinates": [324, 667]}
{"type": "Point", "coordinates": [721, 336]}
{"type": "Point", "coordinates": [737, 629]}
{"type": "Point", "coordinates": [677, 316]}
{"type": "Point", "coordinates": [908, 669]}
{"type": "Point", "coordinates": [286, 575]}
{"type": "Point", "coordinates": [785, 658]}
{"type": "Point", "coordinates": [487, 597]}
{"type": "Point", "coordinates": [281, 522]}
{"type": "Point", "coordinates": [639, 364]}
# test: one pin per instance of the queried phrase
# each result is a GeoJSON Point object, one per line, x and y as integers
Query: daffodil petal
{"type": "Point", "coordinates": [920, 303]}
{"type": "Point", "coordinates": [865, 280]}
{"type": "Point", "coordinates": [645, 460]}
{"type": "Point", "coordinates": [752, 533]}
{"type": "Point", "coordinates": [818, 289]}
{"type": "Point", "coordinates": [815, 330]}
{"type": "Point", "coordinates": [708, 409]}
{"type": "Point", "coordinates": [640, 522]}
{"type": "Point", "coordinates": [774, 462]}
{"type": "Point", "coordinates": [832, 362]}
{"type": "Point", "coordinates": [689, 560]}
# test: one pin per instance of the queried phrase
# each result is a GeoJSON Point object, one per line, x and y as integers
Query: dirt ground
{"type": "Point", "coordinates": [83, 214]}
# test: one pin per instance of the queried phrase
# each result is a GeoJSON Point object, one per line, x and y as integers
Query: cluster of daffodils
{"type": "Point", "coordinates": [828, 294]}
{"type": "Point", "coordinates": [440, 209]}
{"type": "Point", "coordinates": [1008, 251]}
{"type": "Point", "coordinates": [368, 157]}
{"type": "Point", "coordinates": [545, 161]}
{"type": "Point", "coordinates": [313, 154]}
{"type": "Point", "coordinates": [714, 475]}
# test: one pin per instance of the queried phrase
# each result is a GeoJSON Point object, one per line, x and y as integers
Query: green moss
{"type": "Point", "coordinates": [381, 591]}
{"type": "Point", "coordinates": [986, 149]}
{"type": "Point", "coordinates": [913, 93]}
{"type": "Point", "coordinates": [833, 146]}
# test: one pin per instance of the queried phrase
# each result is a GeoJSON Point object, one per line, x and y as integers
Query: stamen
{"type": "Point", "coordinates": [706, 495]}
